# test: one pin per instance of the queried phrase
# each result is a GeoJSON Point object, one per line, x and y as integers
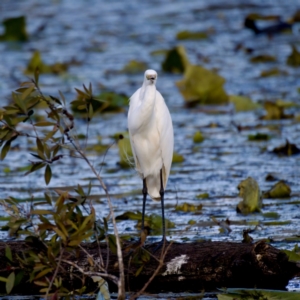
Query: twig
{"type": "Point", "coordinates": [55, 272]}
{"type": "Point", "coordinates": [89, 273]}
{"type": "Point", "coordinates": [121, 281]}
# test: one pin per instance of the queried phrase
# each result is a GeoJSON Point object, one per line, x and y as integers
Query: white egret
{"type": "Point", "coordinates": [152, 140]}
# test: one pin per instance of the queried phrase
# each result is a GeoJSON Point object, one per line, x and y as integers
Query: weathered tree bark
{"type": "Point", "coordinates": [187, 267]}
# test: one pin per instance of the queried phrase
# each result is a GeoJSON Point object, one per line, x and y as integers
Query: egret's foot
{"type": "Point", "coordinates": [161, 244]}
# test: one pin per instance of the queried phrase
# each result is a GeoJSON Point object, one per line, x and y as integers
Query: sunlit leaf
{"type": "Point", "coordinates": [10, 282]}
{"type": "Point", "coordinates": [293, 256]}
{"type": "Point", "coordinates": [43, 273]}
{"type": "Point", "coordinates": [41, 283]}
{"type": "Point", "coordinates": [27, 92]}
{"type": "Point", "coordinates": [3, 279]}
{"type": "Point", "coordinates": [60, 233]}
{"type": "Point", "coordinates": [279, 190]}
{"type": "Point", "coordinates": [139, 270]}
{"type": "Point", "coordinates": [251, 195]}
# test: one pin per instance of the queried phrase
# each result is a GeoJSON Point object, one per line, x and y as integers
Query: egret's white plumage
{"type": "Point", "coordinates": [151, 135]}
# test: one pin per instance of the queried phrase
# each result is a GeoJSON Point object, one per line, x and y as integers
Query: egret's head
{"type": "Point", "coordinates": [150, 77]}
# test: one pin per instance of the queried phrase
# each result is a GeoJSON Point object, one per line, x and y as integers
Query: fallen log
{"type": "Point", "coordinates": [189, 267]}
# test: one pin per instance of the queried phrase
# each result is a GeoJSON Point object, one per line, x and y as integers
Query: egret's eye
{"type": "Point", "coordinates": [150, 77]}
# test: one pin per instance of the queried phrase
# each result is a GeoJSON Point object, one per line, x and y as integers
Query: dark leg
{"type": "Point", "coordinates": [162, 194]}
{"type": "Point", "coordinates": [145, 192]}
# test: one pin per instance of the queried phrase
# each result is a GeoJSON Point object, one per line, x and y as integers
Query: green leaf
{"type": "Point", "coordinates": [48, 199]}
{"type": "Point", "coordinates": [5, 149]}
{"type": "Point", "coordinates": [293, 256]}
{"type": "Point", "coordinates": [90, 188]}
{"type": "Point", "coordinates": [112, 243]}
{"type": "Point", "coordinates": [91, 111]}
{"type": "Point", "coordinates": [10, 282]}
{"type": "Point", "coordinates": [203, 86]}
{"type": "Point", "coordinates": [198, 137]}
{"type": "Point", "coordinates": [48, 174]}
{"type": "Point", "coordinates": [55, 99]}
{"type": "Point", "coordinates": [15, 29]}
{"type": "Point", "coordinates": [19, 277]}
{"type": "Point", "coordinates": [62, 97]}
{"type": "Point", "coordinates": [8, 254]}
{"type": "Point", "coordinates": [45, 124]}
{"type": "Point", "coordinates": [139, 270]}
{"type": "Point", "coordinates": [3, 279]}
{"type": "Point", "coordinates": [27, 92]}
{"type": "Point", "coordinates": [39, 145]}
{"type": "Point", "coordinates": [36, 75]}
{"type": "Point", "coordinates": [35, 166]}
{"type": "Point", "coordinates": [43, 273]}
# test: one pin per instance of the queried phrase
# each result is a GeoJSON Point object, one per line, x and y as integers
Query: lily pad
{"type": "Point", "coordinates": [15, 29]}
{"type": "Point", "coordinates": [190, 35]}
{"type": "Point", "coordinates": [134, 67]}
{"type": "Point", "coordinates": [202, 196]}
{"type": "Point", "coordinates": [250, 192]}
{"type": "Point", "coordinates": [198, 137]}
{"type": "Point", "coordinates": [293, 59]}
{"type": "Point", "coordinates": [200, 85]}
{"type": "Point", "coordinates": [273, 72]}
{"type": "Point", "coordinates": [279, 190]}
{"type": "Point", "coordinates": [176, 60]}
{"type": "Point", "coordinates": [37, 62]}
{"type": "Point", "coordinates": [271, 215]}
{"type": "Point", "coordinates": [153, 221]}
{"type": "Point", "coordinates": [186, 207]}
{"type": "Point", "coordinates": [274, 111]}
{"type": "Point", "coordinates": [177, 158]}
{"type": "Point", "coordinates": [258, 137]}
{"type": "Point", "coordinates": [243, 103]}
{"type": "Point", "coordinates": [262, 58]}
